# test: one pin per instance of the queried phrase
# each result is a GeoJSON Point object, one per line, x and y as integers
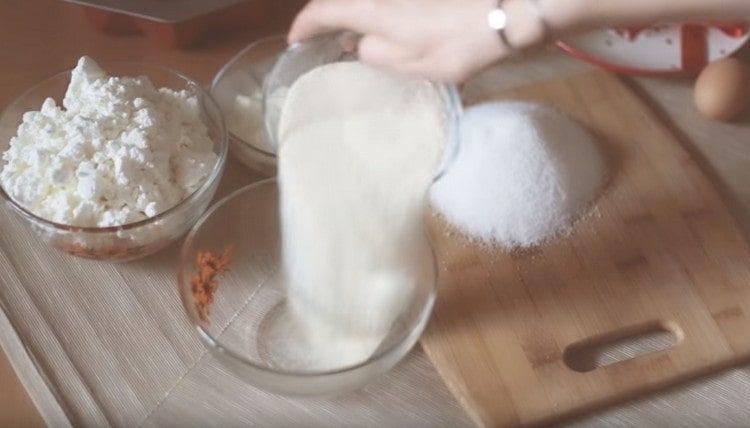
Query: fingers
{"type": "Point", "coordinates": [323, 16]}
{"type": "Point", "coordinates": [380, 52]}
{"type": "Point", "coordinates": [434, 69]}
{"type": "Point", "coordinates": [379, 24]}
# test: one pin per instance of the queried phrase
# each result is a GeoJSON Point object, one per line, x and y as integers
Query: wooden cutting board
{"type": "Point", "coordinates": [660, 250]}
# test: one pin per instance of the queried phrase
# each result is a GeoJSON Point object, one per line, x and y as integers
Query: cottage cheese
{"type": "Point", "coordinates": [117, 151]}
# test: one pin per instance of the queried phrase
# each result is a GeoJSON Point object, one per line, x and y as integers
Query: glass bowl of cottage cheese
{"type": "Point", "coordinates": [113, 161]}
{"type": "Point", "coordinates": [238, 88]}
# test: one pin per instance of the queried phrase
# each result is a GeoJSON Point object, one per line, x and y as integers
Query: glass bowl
{"type": "Point", "coordinates": [238, 88]}
{"type": "Point", "coordinates": [248, 325]}
{"type": "Point", "coordinates": [134, 240]}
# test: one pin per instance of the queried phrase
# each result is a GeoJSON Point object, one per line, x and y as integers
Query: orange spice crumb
{"type": "Point", "coordinates": [208, 268]}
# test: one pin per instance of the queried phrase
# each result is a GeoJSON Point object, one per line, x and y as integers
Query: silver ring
{"type": "Point", "coordinates": [497, 19]}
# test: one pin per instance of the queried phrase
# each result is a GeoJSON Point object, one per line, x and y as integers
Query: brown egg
{"type": "Point", "coordinates": [722, 90]}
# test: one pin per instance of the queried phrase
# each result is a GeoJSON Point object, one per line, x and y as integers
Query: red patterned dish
{"type": "Point", "coordinates": [663, 49]}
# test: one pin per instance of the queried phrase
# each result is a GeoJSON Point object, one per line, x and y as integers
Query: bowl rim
{"type": "Point", "coordinates": [216, 172]}
{"type": "Point", "coordinates": [215, 345]}
{"type": "Point", "coordinates": [221, 74]}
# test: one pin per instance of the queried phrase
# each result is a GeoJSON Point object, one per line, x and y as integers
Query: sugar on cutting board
{"type": "Point", "coordinates": [524, 173]}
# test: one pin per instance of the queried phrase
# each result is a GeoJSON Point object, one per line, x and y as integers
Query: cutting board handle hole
{"type": "Point", "coordinates": [591, 354]}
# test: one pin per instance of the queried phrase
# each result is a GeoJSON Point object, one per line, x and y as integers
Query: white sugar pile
{"type": "Point", "coordinates": [523, 175]}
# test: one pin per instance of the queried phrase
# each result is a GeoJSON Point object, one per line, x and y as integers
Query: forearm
{"type": "Point", "coordinates": [561, 17]}
{"type": "Point", "coordinates": [575, 15]}
{"type": "Point", "coordinates": [449, 40]}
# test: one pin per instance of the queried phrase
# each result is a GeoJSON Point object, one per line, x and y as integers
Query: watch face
{"type": "Point", "coordinates": [663, 49]}
{"type": "Point", "coordinates": [167, 11]}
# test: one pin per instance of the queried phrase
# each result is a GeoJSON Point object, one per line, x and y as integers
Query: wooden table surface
{"type": "Point", "coordinates": [41, 37]}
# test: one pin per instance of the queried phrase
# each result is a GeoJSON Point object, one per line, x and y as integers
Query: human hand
{"type": "Point", "coordinates": [443, 40]}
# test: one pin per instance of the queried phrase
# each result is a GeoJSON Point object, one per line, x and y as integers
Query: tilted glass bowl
{"type": "Point", "coordinates": [301, 58]}
{"type": "Point", "coordinates": [134, 240]}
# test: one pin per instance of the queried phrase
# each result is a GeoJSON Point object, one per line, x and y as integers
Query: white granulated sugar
{"type": "Point", "coordinates": [524, 173]}
{"type": "Point", "coordinates": [359, 150]}
{"type": "Point", "coordinates": [119, 150]}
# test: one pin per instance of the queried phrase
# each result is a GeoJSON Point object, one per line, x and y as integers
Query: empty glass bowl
{"type": "Point", "coordinates": [134, 240]}
{"type": "Point", "coordinates": [248, 326]}
{"type": "Point", "coordinates": [238, 88]}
